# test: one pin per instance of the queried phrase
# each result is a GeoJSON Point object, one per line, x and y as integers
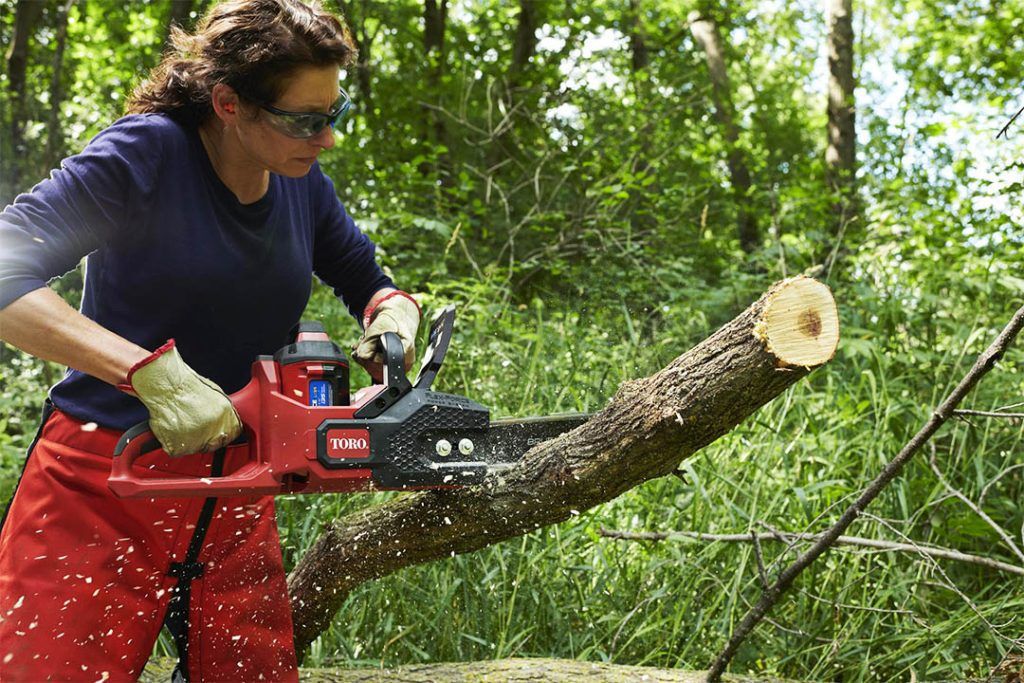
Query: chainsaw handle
{"type": "Point", "coordinates": [141, 435]}
{"type": "Point", "coordinates": [396, 383]}
{"type": "Point", "coordinates": [394, 362]}
{"type": "Point", "coordinates": [139, 440]}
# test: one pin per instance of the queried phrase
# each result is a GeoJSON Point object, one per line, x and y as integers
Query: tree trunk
{"type": "Point", "coordinates": [638, 50]}
{"type": "Point", "coordinates": [504, 143]}
{"type": "Point", "coordinates": [178, 16]}
{"type": "Point", "coordinates": [643, 215]}
{"type": "Point", "coordinates": [363, 40]}
{"type": "Point", "coordinates": [526, 36]}
{"type": "Point", "coordinates": [841, 155]}
{"type": "Point", "coordinates": [705, 32]}
{"type": "Point", "coordinates": [54, 130]}
{"type": "Point", "coordinates": [647, 428]}
{"type": "Point", "coordinates": [26, 17]}
{"type": "Point", "coordinates": [435, 18]}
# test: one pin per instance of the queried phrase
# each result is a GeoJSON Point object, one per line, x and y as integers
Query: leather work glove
{"type": "Point", "coordinates": [397, 312]}
{"type": "Point", "coordinates": [187, 412]}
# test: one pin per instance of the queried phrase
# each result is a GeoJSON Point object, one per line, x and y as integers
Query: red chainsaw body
{"type": "Point", "coordinates": [282, 452]}
{"type": "Point", "coordinates": [304, 435]}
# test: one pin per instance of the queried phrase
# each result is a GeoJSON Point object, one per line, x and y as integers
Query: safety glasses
{"type": "Point", "coordinates": [306, 124]}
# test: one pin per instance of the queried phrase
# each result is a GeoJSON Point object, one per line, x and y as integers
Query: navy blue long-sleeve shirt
{"type": "Point", "coordinates": [173, 254]}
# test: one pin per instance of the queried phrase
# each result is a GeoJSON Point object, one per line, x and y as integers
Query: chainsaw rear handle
{"type": "Point", "coordinates": [252, 479]}
{"type": "Point", "coordinates": [141, 437]}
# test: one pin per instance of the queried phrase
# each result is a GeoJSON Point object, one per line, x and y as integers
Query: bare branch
{"type": "Point", "coordinates": [988, 413]}
{"type": "Point", "coordinates": [786, 537]}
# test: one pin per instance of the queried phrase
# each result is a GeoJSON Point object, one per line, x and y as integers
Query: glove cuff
{"type": "Point", "coordinates": [126, 386]}
{"type": "Point", "coordinates": [368, 316]}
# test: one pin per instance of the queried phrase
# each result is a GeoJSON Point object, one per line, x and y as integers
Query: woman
{"type": "Point", "coordinates": [204, 215]}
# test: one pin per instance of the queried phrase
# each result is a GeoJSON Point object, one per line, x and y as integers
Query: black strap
{"type": "Point", "coordinates": [47, 412]}
{"type": "Point", "coordinates": [185, 571]}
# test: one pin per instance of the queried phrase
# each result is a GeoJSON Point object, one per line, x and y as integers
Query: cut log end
{"type": "Point", "coordinates": [800, 323]}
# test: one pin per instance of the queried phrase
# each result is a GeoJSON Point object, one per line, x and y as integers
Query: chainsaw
{"type": "Point", "coordinates": [305, 433]}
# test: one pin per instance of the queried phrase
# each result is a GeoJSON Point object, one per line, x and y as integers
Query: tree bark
{"type": "Point", "coordinates": [705, 32]}
{"type": "Point", "coordinates": [643, 216]}
{"type": "Point", "coordinates": [26, 16]}
{"type": "Point", "coordinates": [363, 39]}
{"type": "Point", "coordinates": [504, 139]}
{"type": "Point", "coordinates": [647, 428]}
{"type": "Point", "coordinates": [841, 155]}
{"type": "Point", "coordinates": [526, 37]}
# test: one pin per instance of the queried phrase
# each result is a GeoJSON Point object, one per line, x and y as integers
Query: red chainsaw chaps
{"type": "Point", "coordinates": [83, 574]}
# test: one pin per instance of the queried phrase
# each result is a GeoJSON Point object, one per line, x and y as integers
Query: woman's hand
{"type": "Point", "coordinates": [388, 311]}
{"type": "Point", "coordinates": [187, 412]}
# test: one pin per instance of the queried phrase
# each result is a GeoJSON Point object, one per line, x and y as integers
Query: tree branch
{"type": "Point", "coordinates": [988, 413]}
{"type": "Point", "coordinates": [786, 537]}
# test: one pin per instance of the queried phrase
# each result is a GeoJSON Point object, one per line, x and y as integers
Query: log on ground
{"type": "Point", "coordinates": [517, 670]}
{"type": "Point", "coordinates": [648, 427]}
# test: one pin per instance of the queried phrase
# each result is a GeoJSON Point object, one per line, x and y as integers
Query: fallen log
{"type": "Point", "coordinates": [518, 670]}
{"type": "Point", "coordinates": [648, 427]}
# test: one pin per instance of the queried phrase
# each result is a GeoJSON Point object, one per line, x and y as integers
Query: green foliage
{"type": "Point", "coordinates": [578, 212]}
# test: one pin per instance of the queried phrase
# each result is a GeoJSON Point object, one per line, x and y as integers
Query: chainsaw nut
{"type": "Point", "coordinates": [466, 447]}
{"type": "Point", "coordinates": [443, 448]}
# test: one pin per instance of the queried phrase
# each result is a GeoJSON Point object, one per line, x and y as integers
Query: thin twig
{"type": "Point", "coordinates": [985, 362]}
{"type": "Point", "coordinates": [1009, 123]}
{"type": "Point", "coordinates": [1003, 473]}
{"type": "Point", "coordinates": [1007, 658]}
{"type": "Point", "coordinates": [854, 608]}
{"type": "Point", "coordinates": [760, 559]}
{"type": "Point", "coordinates": [974, 508]}
{"type": "Point", "coordinates": [786, 537]}
{"type": "Point", "coordinates": [988, 413]}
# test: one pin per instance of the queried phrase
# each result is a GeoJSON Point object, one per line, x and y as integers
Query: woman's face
{"type": "Point", "coordinates": [309, 89]}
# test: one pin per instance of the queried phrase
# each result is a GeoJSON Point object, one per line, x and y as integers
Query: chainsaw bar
{"type": "Point", "coordinates": [507, 440]}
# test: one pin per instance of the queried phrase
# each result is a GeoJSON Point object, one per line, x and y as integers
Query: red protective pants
{"type": "Point", "coordinates": [83, 574]}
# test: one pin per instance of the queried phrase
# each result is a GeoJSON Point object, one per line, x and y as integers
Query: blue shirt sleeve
{"type": "Point", "coordinates": [80, 207]}
{"type": "Point", "coordinates": [343, 256]}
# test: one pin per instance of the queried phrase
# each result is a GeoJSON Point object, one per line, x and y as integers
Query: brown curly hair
{"type": "Point", "coordinates": [250, 45]}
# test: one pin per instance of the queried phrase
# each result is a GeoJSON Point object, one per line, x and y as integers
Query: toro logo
{"type": "Point", "coordinates": [348, 443]}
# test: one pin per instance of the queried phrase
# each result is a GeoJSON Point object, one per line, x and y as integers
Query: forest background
{"type": "Point", "coordinates": [597, 186]}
